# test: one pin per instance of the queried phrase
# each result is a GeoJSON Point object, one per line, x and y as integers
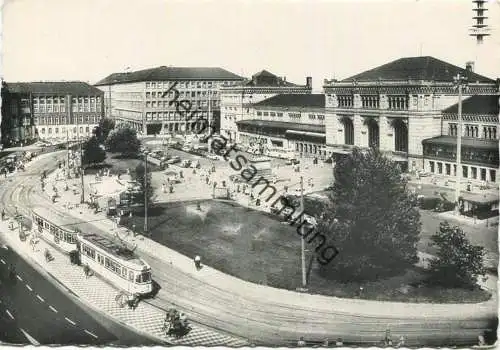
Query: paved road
{"type": "Point", "coordinates": [33, 310]}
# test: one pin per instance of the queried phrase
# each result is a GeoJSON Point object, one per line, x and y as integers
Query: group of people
{"type": "Point", "coordinates": [386, 342]}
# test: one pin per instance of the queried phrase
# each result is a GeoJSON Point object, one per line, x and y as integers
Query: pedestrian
{"type": "Point", "coordinates": [3, 214]}
{"type": "Point", "coordinates": [197, 262]}
{"type": "Point", "coordinates": [339, 342]}
{"type": "Point", "coordinates": [301, 342]}
{"type": "Point", "coordinates": [401, 342]}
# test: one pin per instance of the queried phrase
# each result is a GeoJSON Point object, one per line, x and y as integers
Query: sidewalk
{"type": "Point", "coordinates": [278, 297]}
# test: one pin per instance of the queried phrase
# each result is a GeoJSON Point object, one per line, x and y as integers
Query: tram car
{"type": "Point", "coordinates": [54, 228]}
{"type": "Point", "coordinates": [116, 263]}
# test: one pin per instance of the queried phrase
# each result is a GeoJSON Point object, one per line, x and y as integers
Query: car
{"type": "Point", "coordinates": [211, 156]}
{"type": "Point", "coordinates": [195, 164]}
{"type": "Point", "coordinates": [292, 161]}
{"type": "Point", "coordinates": [174, 160]}
{"type": "Point", "coordinates": [185, 163]}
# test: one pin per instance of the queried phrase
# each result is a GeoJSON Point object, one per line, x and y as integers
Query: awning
{"type": "Point", "coordinates": [316, 134]}
{"type": "Point", "coordinates": [479, 198]}
{"type": "Point", "coordinates": [341, 151]}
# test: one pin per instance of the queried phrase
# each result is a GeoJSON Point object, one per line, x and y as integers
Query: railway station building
{"type": "Point", "coordinates": [237, 101]}
{"type": "Point", "coordinates": [140, 99]}
{"type": "Point", "coordinates": [396, 106]}
{"type": "Point", "coordinates": [284, 123]}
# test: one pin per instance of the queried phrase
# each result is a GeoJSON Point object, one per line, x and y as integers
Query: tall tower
{"type": "Point", "coordinates": [479, 29]}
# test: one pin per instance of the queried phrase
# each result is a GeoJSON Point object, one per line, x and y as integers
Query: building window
{"type": "Point", "coordinates": [348, 131]}
{"type": "Point", "coordinates": [266, 114]}
{"type": "Point", "coordinates": [259, 113]}
{"type": "Point", "coordinates": [272, 114]}
{"type": "Point", "coordinates": [465, 171]}
{"type": "Point", "coordinates": [370, 101]}
{"type": "Point", "coordinates": [345, 100]}
{"type": "Point", "coordinates": [280, 114]}
{"type": "Point", "coordinates": [493, 175]}
{"type": "Point", "coordinates": [474, 172]}
{"type": "Point", "coordinates": [398, 102]}
{"type": "Point", "coordinates": [440, 167]}
{"type": "Point", "coordinates": [373, 134]}
{"type": "Point", "coordinates": [400, 136]}
{"type": "Point", "coordinates": [483, 174]}
{"type": "Point", "coordinates": [448, 169]}
{"type": "Point", "coordinates": [431, 165]}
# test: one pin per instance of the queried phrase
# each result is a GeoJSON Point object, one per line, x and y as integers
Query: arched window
{"type": "Point", "coordinates": [348, 131]}
{"type": "Point", "coordinates": [401, 135]}
{"type": "Point", "coordinates": [373, 133]}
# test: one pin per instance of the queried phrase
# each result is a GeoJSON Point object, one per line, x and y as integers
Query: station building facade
{"type": "Point", "coordinates": [286, 124]}
{"type": "Point", "coordinates": [394, 107]}
{"type": "Point", "coordinates": [237, 101]}
{"type": "Point", "coordinates": [479, 156]}
{"type": "Point", "coordinates": [56, 111]}
{"type": "Point", "coordinates": [141, 99]}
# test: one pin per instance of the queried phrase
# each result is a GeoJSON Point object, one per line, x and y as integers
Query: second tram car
{"type": "Point", "coordinates": [116, 263]}
{"type": "Point", "coordinates": [57, 230]}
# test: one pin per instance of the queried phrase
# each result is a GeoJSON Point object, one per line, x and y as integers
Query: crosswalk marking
{"type": "Point", "coordinates": [19, 278]}
{"type": "Point", "coordinates": [3, 262]}
{"type": "Point", "coordinates": [28, 286]}
{"type": "Point", "coordinates": [67, 319]}
{"type": "Point", "coordinates": [32, 340]}
{"type": "Point", "coordinates": [40, 298]}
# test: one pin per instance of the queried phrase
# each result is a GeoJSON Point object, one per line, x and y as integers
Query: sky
{"type": "Point", "coordinates": [90, 39]}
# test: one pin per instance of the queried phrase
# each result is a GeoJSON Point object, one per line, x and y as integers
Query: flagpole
{"type": "Point", "coordinates": [302, 240]}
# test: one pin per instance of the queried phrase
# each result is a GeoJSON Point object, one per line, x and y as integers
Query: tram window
{"type": "Point", "coordinates": [46, 224]}
{"type": "Point", "coordinates": [100, 259]}
{"type": "Point", "coordinates": [131, 276]}
{"type": "Point", "coordinates": [89, 251]}
{"type": "Point", "coordinates": [124, 272]}
{"type": "Point", "coordinates": [143, 277]}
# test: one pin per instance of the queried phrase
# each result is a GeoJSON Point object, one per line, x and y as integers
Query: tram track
{"type": "Point", "coordinates": [264, 321]}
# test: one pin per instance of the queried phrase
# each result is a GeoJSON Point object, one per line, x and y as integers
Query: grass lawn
{"type": "Point", "coordinates": [258, 248]}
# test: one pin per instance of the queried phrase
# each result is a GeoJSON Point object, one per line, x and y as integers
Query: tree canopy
{"type": "Point", "coordinates": [458, 263]}
{"type": "Point", "coordinates": [102, 130]}
{"type": "Point", "coordinates": [93, 152]}
{"type": "Point", "coordinates": [138, 175]}
{"type": "Point", "coordinates": [124, 141]}
{"type": "Point", "coordinates": [372, 219]}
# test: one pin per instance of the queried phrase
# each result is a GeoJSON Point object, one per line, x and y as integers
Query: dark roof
{"type": "Point", "coordinates": [294, 100]}
{"type": "Point", "coordinates": [54, 88]}
{"type": "Point", "coordinates": [170, 73]}
{"type": "Point", "coordinates": [283, 125]}
{"type": "Point", "coordinates": [477, 104]}
{"type": "Point", "coordinates": [418, 68]}
{"type": "Point", "coordinates": [466, 142]}
{"type": "Point", "coordinates": [265, 78]}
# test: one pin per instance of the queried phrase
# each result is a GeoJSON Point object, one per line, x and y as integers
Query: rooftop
{"type": "Point", "coordinates": [77, 88]}
{"type": "Point", "coordinates": [283, 125]}
{"type": "Point", "coordinates": [265, 78]}
{"type": "Point", "coordinates": [294, 100]}
{"type": "Point", "coordinates": [112, 247]}
{"type": "Point", "coordinates": [170, 73]}
{"type": "Point", "coordinates": [477, 104]}
{"type": "Point", "coordinates": [466, 142]}
{"type": "Point", "coordinates": [417, 68]}
{"type": "Point", "coordinates": [56, 218]}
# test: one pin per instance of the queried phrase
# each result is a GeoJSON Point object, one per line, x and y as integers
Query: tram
{"type": "Point", "coordinates": [113, 261]}
{"type": "Point", "coordinates": [116, 263]}
{"type": "Point", "coordinates": [57, 230]}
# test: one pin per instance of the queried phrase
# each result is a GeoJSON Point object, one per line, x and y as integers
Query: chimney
{"type": "Point", "coordinates": [469, 66]}
{"type": "Point", "coordinates": [254, 79]}
{"type": "Point", "coordinates": [284, 79]}
{"type": "Point", "coordinates": [309, 82]}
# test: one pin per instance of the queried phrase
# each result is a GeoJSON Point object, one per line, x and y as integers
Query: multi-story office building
{"type": "Point", "coordinates": [141, 99]}
{"type": "Point", "coordinates": [17, 126]}
{"type": "Point", "coordinates": [396, 106]}
{"type": "Point", "coordinates": [59, 111]}
{"type": "Point", "coordinates": [479, 157]}
{"type": "Point", "coordinates": [236, 101]}
{"type": "Point", "coordinates": [286, 123]}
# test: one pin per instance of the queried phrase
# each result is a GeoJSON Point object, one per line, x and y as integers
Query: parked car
{"type": "Point", "coordinates": [174, 160]}
{"type": "Point", "coordinates": [196, 164]}
{"type": "Point", "coordinates": [186, 163]}
{"type": "Point", "coordinates": [292, 161]}
{"type": "Point", "coordinates": [211, 156]}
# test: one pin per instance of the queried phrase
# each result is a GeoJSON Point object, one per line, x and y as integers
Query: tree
{"type": "Point", "coordinates": [372, 220]}
{"type": "Point", "coordinates": [138, 176]}
{"type": "Point", "coordinates": [124, 141]}
{"type": "Point", "coordinates": [458, 263]}
{"type": "Point", "coordinates": [101, 131]}
{"type": "Point", "coordinates": [93, 152]}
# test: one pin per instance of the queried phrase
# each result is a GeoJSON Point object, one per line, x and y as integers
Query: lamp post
{"type": "Point", "coordinates": [145, 192]}
{"type": "Point", "coordinates": [460, 82]}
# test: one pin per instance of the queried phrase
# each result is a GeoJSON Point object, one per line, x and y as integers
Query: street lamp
{"type": "Point", "coordinates": [145, 192]}
{"type": "Point", "coordinates": [460, 83]}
